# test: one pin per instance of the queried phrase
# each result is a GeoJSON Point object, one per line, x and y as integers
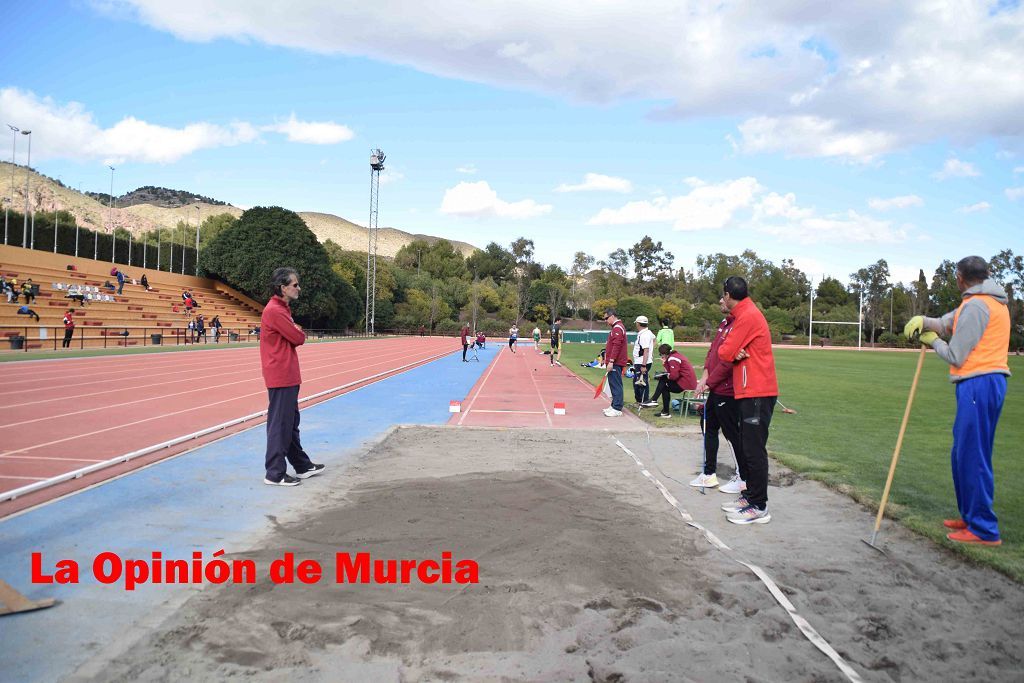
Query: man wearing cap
{"type": "Point", "coordinates": [643, 358]}
{"type": "Point", "coordinates": [616, 359]}
{"type": "Point", "coordinates": [979, 336]}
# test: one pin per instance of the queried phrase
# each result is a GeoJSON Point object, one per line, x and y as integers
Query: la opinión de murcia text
{"type": "Point", "coordinates": [110, 568]}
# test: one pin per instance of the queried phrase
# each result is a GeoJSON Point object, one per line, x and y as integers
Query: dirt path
{"type": "Point", "coordinates": [586, 573]}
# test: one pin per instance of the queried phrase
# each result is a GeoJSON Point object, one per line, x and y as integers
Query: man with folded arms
{"type": "Point", "coordinates": [279, 338]}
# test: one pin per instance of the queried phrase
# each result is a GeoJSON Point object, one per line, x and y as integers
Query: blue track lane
{"type": "Point", "coordinates": [209, 499]}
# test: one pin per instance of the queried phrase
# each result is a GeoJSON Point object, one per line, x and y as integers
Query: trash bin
{"type": "Point", "coordinates": [156, 339]}
{"type": "Point", "coordinates": [17, 342]}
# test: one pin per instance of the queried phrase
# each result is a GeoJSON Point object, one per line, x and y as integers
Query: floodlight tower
{"type": "Point", "coordinates": [376, 166]}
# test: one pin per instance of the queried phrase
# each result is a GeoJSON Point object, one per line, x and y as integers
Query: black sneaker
{"type": "Point", "coordinates": [311, 472]}
{"type": "Point", "coordinates": [286, 480]}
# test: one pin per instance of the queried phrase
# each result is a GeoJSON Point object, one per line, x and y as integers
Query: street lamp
{"type": "Point", "coordinates": [184, 224]}
{"type": "Point", "coordinates": [28, 166]}
{"type": "Point", "coordinates": [14, 148]}
{"type": "Point", "coordinates": [113, 235]}
{"type": "Point", "coordinates": [198, 225]}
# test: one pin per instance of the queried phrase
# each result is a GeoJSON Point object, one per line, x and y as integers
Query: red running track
{"type": "Point", "coordinates": [520, 390]}
{"type": "Point", "coordinates": [63, 415]}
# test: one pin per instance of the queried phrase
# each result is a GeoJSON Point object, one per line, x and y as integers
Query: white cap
{"type": "Point", "coordinates": [641, 319]}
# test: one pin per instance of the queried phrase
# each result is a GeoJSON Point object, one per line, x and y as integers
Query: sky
{"type": "Point", "coordinates": [831, 135]}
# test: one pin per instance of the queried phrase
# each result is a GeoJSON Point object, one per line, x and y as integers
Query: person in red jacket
{"type": "Point", "coordinates": [465, 342]}
{"type": "Point", "coordinates": [69, 329]}
{"type": "Point", "coordinates": [616, 360]}
{"type": "Point", "coordinates": [678, 377]}
{"type": "Point", "coordinates": [720, 414]}
{"type": "Point", "coordinates": [748, 347]}
{"type": "Point", "coordinates": [280, 363]}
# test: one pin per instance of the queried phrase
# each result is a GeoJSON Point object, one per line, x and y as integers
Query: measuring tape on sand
{"type": "Point", "coordinates": [805, 627]}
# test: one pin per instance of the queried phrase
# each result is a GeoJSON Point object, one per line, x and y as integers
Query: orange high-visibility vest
{"type": "Point", "coordinates": [990, 355]}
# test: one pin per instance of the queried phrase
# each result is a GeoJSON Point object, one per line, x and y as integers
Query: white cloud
{"type": "Point", "coordinates": [468, 169]}
{"type": "Point", "coordinates": [1014, 193]}
{"type": "Point", "coordinates": [812, 136]}
{"type": "Point", "coordinates": [69, 131]}
{"type": "Point", "coordinates": [937, 71]}
{"type": "Point", "coordinates": [840, 227]}
{"type": "Point", "coordinates": [312, 132]}
{"type": "Point", "coordinates": [706, 207]}
{"type": "Point", "coordinates": [975, 208]}
{"type": "Point", "coordinates": [1018, 169]}
{"type": "Point", "coordinates": [954, 168]}
{"type": "Point", "coordinates": [902, 202]}
{"type": "Point", "coordinates": [479, 200]}
{"type": "Point", "coordinates": [389, 176]}
{"type": "Point", "coordinates": [595, 182]}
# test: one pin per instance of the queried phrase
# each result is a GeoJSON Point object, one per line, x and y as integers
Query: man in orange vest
{"type": "Point", "coordinates": [979, 336]}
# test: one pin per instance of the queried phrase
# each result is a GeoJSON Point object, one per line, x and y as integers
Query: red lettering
{"type": "Point", "coordinates": [385, 571]}
{"type": "Point", "coordinates": [66, 571]}
{"type": "Point", "coordinates": [282, 570]}
{"type": "Point", "coordinates": [467, 571]}
{"type": "Point", "coordinates": [407, 568]}
{"type": "Point", "coordinates": [37, 570]}
{"type": "Point", "coordinates": [309, 571]}
{"type": "Point", "coordinates": [424, 567]}
{"type": "Point", "coordinates": [348, 571]}
{"type": "Point", "coordinates": [446, 567]}
{"type": "Point", "coordinates": [136, 572]}
{"type": "Point", "coordinates": [99, 567]}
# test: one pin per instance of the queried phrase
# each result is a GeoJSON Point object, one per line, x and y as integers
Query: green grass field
{"type": "Point", "coordinates": [849, 407]}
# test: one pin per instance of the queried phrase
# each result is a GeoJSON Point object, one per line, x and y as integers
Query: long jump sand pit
{"type": "Point", "coordinates": [585, 573]}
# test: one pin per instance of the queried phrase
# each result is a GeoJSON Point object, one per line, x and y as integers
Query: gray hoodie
{"type": "Point", "coordinates": [969, 329]}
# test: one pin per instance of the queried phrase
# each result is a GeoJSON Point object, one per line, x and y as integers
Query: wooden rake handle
{"type": "Point", "coordinates": [899, 439]}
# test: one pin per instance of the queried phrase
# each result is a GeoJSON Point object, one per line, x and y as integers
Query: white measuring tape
{"type": "Point", "coordinates": [805, 627]}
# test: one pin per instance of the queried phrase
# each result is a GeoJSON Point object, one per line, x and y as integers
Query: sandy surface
{"type": "Point", "coordinates": [586, 573]}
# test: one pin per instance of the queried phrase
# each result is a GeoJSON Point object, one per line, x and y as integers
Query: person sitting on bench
{"type": "Point", "coordinates": [75, 294]}
{"type": "Point", "coordinates": [677, 378]}
{"type": "Point", "coordinates": [25, 310]}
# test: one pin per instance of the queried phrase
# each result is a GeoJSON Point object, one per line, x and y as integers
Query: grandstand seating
{"type": "Point", "coordinates": [100, 321]}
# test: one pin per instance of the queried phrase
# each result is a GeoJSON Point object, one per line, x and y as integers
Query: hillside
{"type": "Point", "coordinates": [166, 211]}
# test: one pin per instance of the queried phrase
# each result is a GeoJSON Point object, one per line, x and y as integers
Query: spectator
{"type": "Point", "coordinates": [69, 328]}
{"type": "Point", "coordinates": [481, 340]}
{"type": "Point", "coordinates": [25, 310]}
{"type": "Point", "coordinates": [12, 290]}
{"type": "Point", "coordinates": [145, 282]}
{"type": "Point", "coordinates": [596, 363]}
{"type": "Point", "coordinates": [678, 377]}
{"type": "Point", "coordinates": [75, 294]}
{"type": "Point", "coordinates": [423, 331]}
{"type": "Point", "coordinates": [979, 336]}
{"type": "Point", "coordinates": [748, 348]}
{"type": "Point", "coordinates": [200, 328]}
{"type": "Point", "coordinates": [109, 285]}
{"type": "Point", "coordinates": [643, 358]}
{"type": "Point", "coordinates": [9, 290]}
{"type": "Point", "coordinates": [720, 414]}
{"type": "Point", "coordinates": [186, 295]}
{"type": "Point", "coordinates": [216, 325]}
{"type": "Point", "coordinates": [120, 281]}
{"type": "Point", "coordinates": [27, 291]}
{"type": "Point", "coordinates": [280, 364]}
{"type": "Point", "coordinates": [616, 359]}
{"type": "Point", "coordinates": [666, 335]}
{"type": "Point", "coordinates": [465, 342]}
{"type": "Point", "coordinates": [191, 335]}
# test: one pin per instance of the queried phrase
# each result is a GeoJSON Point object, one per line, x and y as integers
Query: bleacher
{"type": "Point", "coordinates": [101, 322]}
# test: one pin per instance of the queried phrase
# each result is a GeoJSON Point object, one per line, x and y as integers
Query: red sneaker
{"type": "Point", "coordinates": [966, 536]}
{"type": "Point", "coordinates": [954, 524]}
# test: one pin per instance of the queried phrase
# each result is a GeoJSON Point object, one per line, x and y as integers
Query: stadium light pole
{"type": "Point", "coordinates": [56, 219]}
{"type": "Point", "coordinates": [376, 166]}
{"type": "Point", "coordinates": [28, 167]}
{"type": "Point", "coordinates": [14, 149]}
{"type": "Point", "coordinates": [198, 225]}
{"type": "Point", "coordinates": [110, 213]}
{"type": "Point", "coordinates": [170, 267]}
{"type": "Point", "coordinates": [184, 227]}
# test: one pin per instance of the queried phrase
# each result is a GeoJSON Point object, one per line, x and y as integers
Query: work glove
{"type": "Point", "coordinates": [928, 338]}
{"type": "Point", "coordinates": [914, 326]}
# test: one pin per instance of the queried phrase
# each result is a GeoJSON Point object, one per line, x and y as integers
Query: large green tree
{"type": "Point", "coordinates": [245, 254]}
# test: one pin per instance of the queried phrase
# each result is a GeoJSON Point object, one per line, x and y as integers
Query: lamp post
{"type": "Point", "coordinates": [28, 166]}
{"type": "Point", "coordinates": [198, 225]}
{"type": "Point", "coordinates": [56, 220]}
{"type": "Point", "coordinates": [113, 235]}
{"type": "Point", "coordinates": [14, 148]}
{"type": "Point", "coordinates": [184, 225]}
{"type": "Point", "coordinates": [170, 268]}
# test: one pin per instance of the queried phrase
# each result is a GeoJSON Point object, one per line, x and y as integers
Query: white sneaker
{"type": "Point", "coordinates": [707, 481]}
{"type": "Point", "coordinates": [735, 505]}
{"type": "Point", "coordinates": [611, 412]}
{"type": "Point", "coordinates": [749, 515]}
{"type": "Point", "coordinates": [734, 485]}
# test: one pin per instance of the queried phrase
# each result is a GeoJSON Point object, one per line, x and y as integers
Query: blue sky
{"type": "Point", "coordinates": [833, 136]}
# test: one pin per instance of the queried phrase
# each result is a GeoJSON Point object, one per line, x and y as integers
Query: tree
{"type": "Point", "coordinates": [245, 254]}
{"type": "Point", "coordinates": [493, 262]}
{"type": "Point", "coordinates": [873, 282]}
{"type": "Point", "coordinates": [830, 293]}
{"type": "Point", "coordinates": [652, 266]}
{"type": "Point", "coordinates": [943, 295]}
{"type": "Point", "coordinates": [670, 313]}
{"type": "Point", "coordinates": [213, 226]}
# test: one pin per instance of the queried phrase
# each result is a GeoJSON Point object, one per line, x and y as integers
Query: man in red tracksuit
{"type": "Point", "coordinates": [678, 377]}
{"type": "Point", "coordinates": [465, 342]}
{"type": "Point", "coordinates": [616, 360]}
{"type": "Point", "coordinates": [748, 347]}
{"type": "Point", "coordinates": [720, 413]}
{"type": "Point", "coordinates": [280, 363]}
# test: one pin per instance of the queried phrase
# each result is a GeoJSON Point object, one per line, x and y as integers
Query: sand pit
{"type": "Point", "coordinates": [586, 573]}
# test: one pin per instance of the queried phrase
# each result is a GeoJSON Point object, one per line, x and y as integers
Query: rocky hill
{"type": "Point", "coordinates": [147, 208]}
